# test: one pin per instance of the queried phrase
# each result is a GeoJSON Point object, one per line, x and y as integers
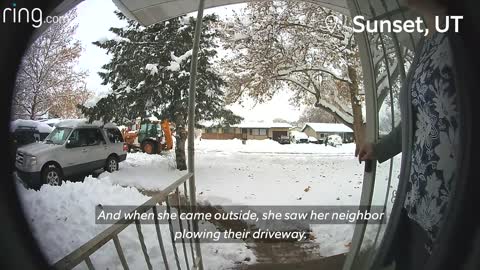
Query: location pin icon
{"type": "Point", "coordinates": [331, 23]}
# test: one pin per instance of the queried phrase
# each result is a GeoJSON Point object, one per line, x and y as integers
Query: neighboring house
{"type": "Point", "coordinates": [221, 133]}
{"type": "Point", "coordinates": [248, 131]}
{"type": "Point", "coordinates": [323, 130]}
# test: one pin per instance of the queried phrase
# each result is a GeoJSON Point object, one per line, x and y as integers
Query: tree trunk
{"type": "Point", "coordinates": [358, 126]}
{"type": "Point", "coordinates": [34, 107]}
{"type": "Point", "coordinates": [180, 156]}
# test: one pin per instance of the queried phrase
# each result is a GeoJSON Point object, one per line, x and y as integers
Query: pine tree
{"type": "Point", "coordinates": [149, 75]}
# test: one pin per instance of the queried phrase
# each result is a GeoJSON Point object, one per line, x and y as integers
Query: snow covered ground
{"type": "Point", "coordinates": [63, 219]}
{"type": "Point", "coordinates": [227, 173]}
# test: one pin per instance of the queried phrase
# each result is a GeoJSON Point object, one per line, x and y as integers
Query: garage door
{"type": "Point", "coordinates": [276, 134]}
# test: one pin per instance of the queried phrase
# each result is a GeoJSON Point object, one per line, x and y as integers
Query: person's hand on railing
{"type": "Point", "coordinates": [365, 151]}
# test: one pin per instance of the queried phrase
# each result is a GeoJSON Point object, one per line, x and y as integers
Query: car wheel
{"type": "Point", "coordinates": [112, 164]}
{"type": "Point", "coordinates": [148, 148]}
{"type": "Point", "coordinates": [52, 175]}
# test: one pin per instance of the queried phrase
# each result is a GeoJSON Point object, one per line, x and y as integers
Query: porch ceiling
{"type": "Point", "coordinates": [148, 12]}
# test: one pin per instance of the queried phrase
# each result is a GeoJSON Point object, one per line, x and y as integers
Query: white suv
{"type": "Point", "coordinates": [74, 148]}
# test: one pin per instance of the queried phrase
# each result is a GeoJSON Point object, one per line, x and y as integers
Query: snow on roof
{"type": "Point", "coordinates": [51, 122]}
{"type": "Point", "coordinates": [208, 123]}
{"type": "Point", "coordinates": [328, 127]}
{"type": "Point", "coordinates": [247, 124]}
{"type": "Point", "coordinates": [42, 127]}
{"type": "Point", "coordinates": [262, 125]}
{"type": "Point", "coordinates": [73, 123]}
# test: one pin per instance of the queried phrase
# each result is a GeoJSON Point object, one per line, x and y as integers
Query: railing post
{"type": "Point", "coordinates": [191, 122]}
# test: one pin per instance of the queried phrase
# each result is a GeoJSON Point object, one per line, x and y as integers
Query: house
{"type": "Point", "coordinates": [248, 131]}
{"type": "Point", "coordinates": [322, 130]}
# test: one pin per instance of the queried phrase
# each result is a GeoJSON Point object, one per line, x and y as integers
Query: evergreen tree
{"type": "Point", "coordinates": [149, 75]}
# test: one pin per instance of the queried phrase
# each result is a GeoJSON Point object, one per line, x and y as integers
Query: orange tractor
{"type": "Point", "coordinates": [151, 136]}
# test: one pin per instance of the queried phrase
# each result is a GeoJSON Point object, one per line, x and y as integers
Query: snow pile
{"type": "Point", "coordinates": [62, 219]}
{"type": "Point", "coordinates": [262, 125]}
{"type": "Point", "coordinates": [40, 126]}
{"type": "Point", "coordinates": [144, 171]}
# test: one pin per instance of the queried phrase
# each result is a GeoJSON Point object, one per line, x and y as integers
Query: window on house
{"type": "Point", "coordinates": [259, 131]}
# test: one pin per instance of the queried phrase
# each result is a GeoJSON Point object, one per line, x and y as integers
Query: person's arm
{"type": "Point", "coordinates": [389, 146]}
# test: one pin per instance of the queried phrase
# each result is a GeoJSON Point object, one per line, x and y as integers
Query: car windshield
{"type": "Point", "coordinates": [58, 135]}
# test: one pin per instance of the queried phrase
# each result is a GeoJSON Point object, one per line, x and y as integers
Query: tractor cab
{"type": "Point", "coordinates": [149, 130]}
{"type": "Point", "coordinates": [151, 136]}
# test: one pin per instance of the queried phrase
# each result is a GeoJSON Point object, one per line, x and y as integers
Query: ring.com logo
{"type": "Point", "coordinates": [34, 16]}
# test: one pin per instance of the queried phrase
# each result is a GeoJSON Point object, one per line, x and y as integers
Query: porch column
{"type": "Point", "coordinates": [191, 125]}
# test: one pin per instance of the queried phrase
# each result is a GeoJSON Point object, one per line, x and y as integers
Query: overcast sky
{"type": "Point", "coordinates": [96, 17]}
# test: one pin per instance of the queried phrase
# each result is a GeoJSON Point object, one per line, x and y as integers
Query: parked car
{"type": "Point", "coordinates": [74, 148]}
{"type": "Point", "coordinates": [284, 140]}
{"type": "Point", "coordinates": [23, 132]}
{"type": "Point", "coordinates": [312, 140]}
{"type": "Point", "coordinates": [334, 140]}
{"type": "Point", "coordinates": [298, 137]}
{"type": "Point", "coordinates": [28, 131]}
